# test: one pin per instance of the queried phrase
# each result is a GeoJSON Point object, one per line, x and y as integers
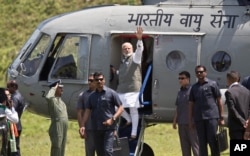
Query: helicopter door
{"type": "Point", "coordinates": [172, 54]}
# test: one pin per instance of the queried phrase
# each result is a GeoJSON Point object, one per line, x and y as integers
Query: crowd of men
{"type": "Point", "coordinates": [199, 108]}
{"type": "Point", "coordinates": [99, 107]}
{"type": "Point", "coordinates": [199, 111]}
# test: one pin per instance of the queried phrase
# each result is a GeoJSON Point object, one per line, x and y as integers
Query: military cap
{"type": "Point", "coordinates": [53, 84]}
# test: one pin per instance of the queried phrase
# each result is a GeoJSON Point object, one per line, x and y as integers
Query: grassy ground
{"type": "Point", "coordinates": [35, 140]}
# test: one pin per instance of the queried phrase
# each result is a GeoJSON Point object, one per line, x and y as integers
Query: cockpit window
{"type": "Point", "coordinates": [221, 61]}
{"type": "Point", "coordinates": [32, 62]}
{"type": "Point", "coordinates": [72, 60]}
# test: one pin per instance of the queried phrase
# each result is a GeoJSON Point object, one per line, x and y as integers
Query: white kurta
{"type": "Point", "coordinates": [130, 99]}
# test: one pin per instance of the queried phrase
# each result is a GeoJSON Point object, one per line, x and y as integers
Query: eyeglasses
{"type": "Point", "coordinates": [181, 78]}
{"type": "Point", "coordinates": [199, 72]}
{"type": "Point", "coordinates": [90, 80]}
{"type": "Point", "coordinates": [100, 79]}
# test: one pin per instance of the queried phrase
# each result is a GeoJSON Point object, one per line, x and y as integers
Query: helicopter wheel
{"type": "Point", "coordinates": [147, 150]}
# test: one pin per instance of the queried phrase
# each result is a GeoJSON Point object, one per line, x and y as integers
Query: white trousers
{"type": "Point", "coordinates": [131, 100]}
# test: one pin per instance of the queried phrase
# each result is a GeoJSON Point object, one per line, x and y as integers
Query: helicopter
{"type": "Point", "coordinates": [178, 35]}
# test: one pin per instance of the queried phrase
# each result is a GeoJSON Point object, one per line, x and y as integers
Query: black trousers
{"type": "Point", "coordinates": [206, 130]}
{"type": "Point", "coordinates": [104, 140]}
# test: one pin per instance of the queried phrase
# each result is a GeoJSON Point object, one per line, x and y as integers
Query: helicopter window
{"type": "Point", "coordinates": [175, 60]}
{"type": "Point", "coordinates": [72, 59]}
{"type": "Point", "coordinates": [32, 62]}
{"type": "Point", "coordinates": [221, 61]}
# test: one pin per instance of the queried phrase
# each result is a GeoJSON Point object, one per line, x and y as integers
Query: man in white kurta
{"type": "Point", "coordinates": [130, 80]}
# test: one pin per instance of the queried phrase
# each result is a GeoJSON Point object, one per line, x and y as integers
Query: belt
{"type": "Point", "coordinates": [60, 118]}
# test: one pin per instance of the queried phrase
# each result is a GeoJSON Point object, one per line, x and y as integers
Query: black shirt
{"type": "Point", "coordinates": [204, 96]}
{"type": "Point", "coordinates": [102, 105]}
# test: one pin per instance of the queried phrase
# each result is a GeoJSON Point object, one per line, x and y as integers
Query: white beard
{"type": "Point", "coordinates": [127, 55]}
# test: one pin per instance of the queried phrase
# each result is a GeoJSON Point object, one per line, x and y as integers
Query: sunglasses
{"type": "Point", "coordinates": [181, 78]}
{"type": "Point", "coordinates": [100, 79]}
{"type": "Point", "coordinates": [199, 72]}
{"type": "Point", "coordinates": [90, 80]}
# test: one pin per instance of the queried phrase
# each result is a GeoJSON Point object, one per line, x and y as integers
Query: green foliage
{"type": "Point", "coordinates": [19, 18]}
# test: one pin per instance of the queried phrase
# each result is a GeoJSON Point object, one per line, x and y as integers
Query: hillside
{"type": "Point", "coordinates": [19, 18]}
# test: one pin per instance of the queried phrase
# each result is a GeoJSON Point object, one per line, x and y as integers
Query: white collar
{"type": "Point", "coordinates": [233, 84]}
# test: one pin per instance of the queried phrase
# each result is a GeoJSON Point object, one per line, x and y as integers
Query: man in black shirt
{"type": "Point", "coordinates": [205, 107]}
{"type": "Point", "coordinates": [101, 104]}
